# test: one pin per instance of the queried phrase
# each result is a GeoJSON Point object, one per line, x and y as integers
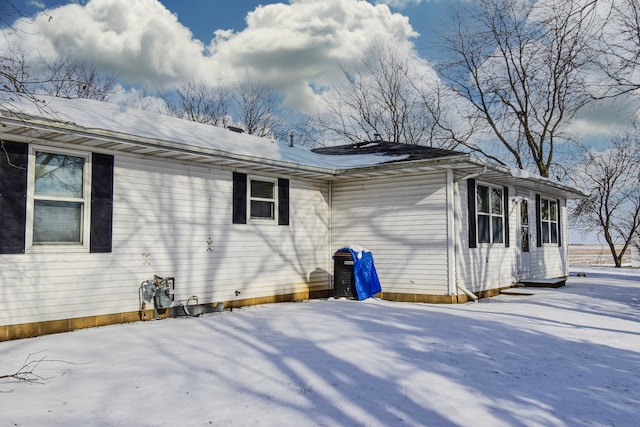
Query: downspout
{"type": "Point", "coordinates": [330, 237]}
{"type": "Point", "coordinates": [452, 271]}
{"type": "Point", "coordinates": [456, 231]}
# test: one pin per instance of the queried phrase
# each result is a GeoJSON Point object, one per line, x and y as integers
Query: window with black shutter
{"type": "Point", "coordinates": [488, 213]}
{"type": "Point", "coordinates": [548, 218]}
{"type": "Point", "coordinates": [260, 199]}
{"type": "Point", "coordinates": [55, 200]}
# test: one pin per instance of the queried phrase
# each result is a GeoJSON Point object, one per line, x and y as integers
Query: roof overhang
{"type": "Point", "coordinates": [28, 129]}
{"type": "Point", "coordinates": [466, 165]}
{"type": "Point", "coordinates": [24, 128]}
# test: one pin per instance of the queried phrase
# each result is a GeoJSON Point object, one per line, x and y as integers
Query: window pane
{"type": "Point", "coordinates": [496, 223]}
{"type": "Point", "coordinates": [554, 232]}
{"type": "Point", "coordinates": [496, 201]}
{"type": "Point", "coordinates": [58, 175]}
{"type": "Point", "coordinates": [261, 209]}
{"type": "Point", "coordinates": [524, 239]}
{"type": "Point", "coordinates": [262, 189]}
{"type": "Point", "coordinates": [553, 211]}
{"type": "Point", "coordinates": [483, 229]}
{"type": "Point", "coordinates": [524, 213]}
{"type": "Point", "coordinates": [545, 232]}
{"type": "Point", "coordinates": [57, 222]}
{"type": "Point", "coordinates": [544, 209]}
{"type": "Point", "coordinates": [483, 198]}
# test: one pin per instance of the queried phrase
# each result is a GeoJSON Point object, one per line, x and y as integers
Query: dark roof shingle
{"type": "Point", "coordinates": [406, 152]}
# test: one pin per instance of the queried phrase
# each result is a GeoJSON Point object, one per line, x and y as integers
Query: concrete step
{"type": "Point", "coordinates": [543, 283]}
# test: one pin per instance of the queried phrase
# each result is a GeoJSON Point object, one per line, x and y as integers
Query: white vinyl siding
{"type": "Point", "coordinates": [487, 266]}
{"type": "Point", "coordinates": [172, 219]}
{"type": "Point", "coordinates": [495, 266]}
{"type": "Point", "coordinates": [402, 221]}
{"type": "Point", "coordinates": [550, 260]}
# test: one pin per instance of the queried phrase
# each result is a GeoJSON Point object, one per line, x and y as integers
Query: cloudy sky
{"type": "Point", "coordinates": [294, 46]}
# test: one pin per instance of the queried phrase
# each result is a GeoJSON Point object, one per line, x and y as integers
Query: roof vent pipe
{"type": "Point", "coordinates": [291, 135]}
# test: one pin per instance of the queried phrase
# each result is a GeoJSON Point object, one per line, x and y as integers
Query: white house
{"type": "Point", "coordinates": [96, 198]}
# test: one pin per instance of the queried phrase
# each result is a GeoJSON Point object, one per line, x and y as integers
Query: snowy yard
{"type": "Point", "coordinates": [560, 357]}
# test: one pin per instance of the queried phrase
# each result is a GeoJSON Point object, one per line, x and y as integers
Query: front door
{"type": "Point", "coordinates": [525, 255]}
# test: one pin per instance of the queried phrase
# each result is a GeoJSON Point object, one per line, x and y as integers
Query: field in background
{"type": "Point", "coordinates": [600, 255]}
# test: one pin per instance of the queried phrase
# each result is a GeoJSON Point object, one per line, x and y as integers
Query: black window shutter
{"type": "Point", "coordinates": [239, 198]}
{"type": "Point", "coordinates": [101, 203]}
{"type": "Point", "coordinates": [471, 205]}
{"type": "Point", "coordinates": [14, 157]}
{"type": "Point", "coordinates": [538, 223]}
{"type": "Point", "coordinates": [283, 201]}
{"type": "Point", "coordinates": [559, 225]}
{"type": "Point", "coordinates": [505, 195]}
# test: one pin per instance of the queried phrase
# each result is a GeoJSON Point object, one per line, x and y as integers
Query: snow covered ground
{"type": "Point", "coordinates": [559, 357]}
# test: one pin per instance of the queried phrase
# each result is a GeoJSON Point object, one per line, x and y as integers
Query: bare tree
{"type": "Point", "coordinates": [519, 64]}
{"type": "Point", "coordinates": [385, 94]}
{"type": "Point", "coordinates": [613, 209]}
{"type": "Point", "coordinates": [22, 75]}
{"type": "Point", "coordinates": [15, 75]}
{"type": "Point", "coordinates": [199, 102]}
{"type": "Point", "coordinates": [618, 53]}
{"type": "Point", "coordinates": [302, 130]}
{"type": "Point", "coordinates": [78, 79]}
{"type": "Point", "coordinates": [257, 107]}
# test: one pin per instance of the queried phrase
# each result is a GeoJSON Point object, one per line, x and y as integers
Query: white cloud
{"type": "Point", "coordinates": [36, 4]}
{"type": "Point", "coordinates": [289, 46]}
{"type": "Point", "coordinates": [606, 117]}
{"type": "Point", "coordinates": [292, 46]}
{"type": "Point", "coordinates": [138, 39]}
{"type": "Point", "coordinates": [398, 3]}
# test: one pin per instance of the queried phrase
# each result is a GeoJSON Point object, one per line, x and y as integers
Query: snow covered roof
{"type": "Point", "coordinates": [106, 126]}
{"type": "Point", "coordinates": [104, 119]}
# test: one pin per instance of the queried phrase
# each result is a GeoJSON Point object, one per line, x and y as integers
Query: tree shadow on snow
{"type": "Point", "coordinates": [411, 364]}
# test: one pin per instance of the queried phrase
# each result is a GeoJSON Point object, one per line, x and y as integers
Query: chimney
{"type": "Point", "coordinates": [291, 135]}
{"type": "Point", "coordinates": [377, 137]}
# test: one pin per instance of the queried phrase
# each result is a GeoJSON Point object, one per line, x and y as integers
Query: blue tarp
{"type": "Point", "coordinates": [364, 271]}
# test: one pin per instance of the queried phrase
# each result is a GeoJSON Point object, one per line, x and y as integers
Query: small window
{"type": "Point", "coordinates": [490, 214]}
{"type": "Point", "coordinates": [262, 199]}
{"type": "Point", "coordinates": [58, 210]}
{"type": "Point", "coordinates": [549, 220]}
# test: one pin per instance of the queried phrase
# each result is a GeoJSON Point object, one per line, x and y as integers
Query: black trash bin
{"type": "Point", "coordinates": [344, 284]}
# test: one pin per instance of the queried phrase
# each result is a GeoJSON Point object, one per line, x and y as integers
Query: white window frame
{"type": "Point", "coordinates": [547, 238]}
{"type": "Point", "coordinates": [85, 230]}
{"type": "Point", "coordinates": [274, 199]}
{"type": "Point", "coordinates": [490, 214]}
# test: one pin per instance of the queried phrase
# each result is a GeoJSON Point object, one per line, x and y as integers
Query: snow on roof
{"type": "Point", "coordinates": [128, 125]}
{"type": "Point", "coordinates": [93, 115]}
